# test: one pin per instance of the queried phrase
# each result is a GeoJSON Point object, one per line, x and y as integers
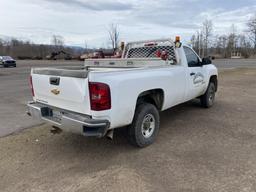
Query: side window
{"type": "Point", "coordinates": [193, 60]}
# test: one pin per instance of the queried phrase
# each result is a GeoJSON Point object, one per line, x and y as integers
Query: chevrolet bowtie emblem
{"type": "Point", "coordinates": [55, 91]}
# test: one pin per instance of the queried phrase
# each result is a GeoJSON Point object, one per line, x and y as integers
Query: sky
{"type": "Point", "coordinates": [83, 22]}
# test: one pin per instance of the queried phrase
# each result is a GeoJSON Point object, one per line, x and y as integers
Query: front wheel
{"type": "Point", "coordinates": [145, 126]}
{"type": "Point", "coordinates": [207, 100]}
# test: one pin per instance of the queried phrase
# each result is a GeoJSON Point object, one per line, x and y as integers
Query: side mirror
{"type": "Point", "coordinates": [206, 61]}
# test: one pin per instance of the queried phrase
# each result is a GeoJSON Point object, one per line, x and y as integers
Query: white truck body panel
{"type": "Point", "coordinates": [74, 95]}
{"type": "Point", "coordinates": [125, 90]}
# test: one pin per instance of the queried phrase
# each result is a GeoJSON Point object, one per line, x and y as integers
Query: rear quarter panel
{"type": "Point", "coordinates": [127, 86]}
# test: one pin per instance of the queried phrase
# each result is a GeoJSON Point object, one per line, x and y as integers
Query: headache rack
{"type": "Point", "coordinates": [150, 52]}
{"type": "Point", "coordinates": [148, 48]}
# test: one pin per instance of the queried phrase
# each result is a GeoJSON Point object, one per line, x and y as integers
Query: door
{"type": "Point", "coordinates": [196, 75]}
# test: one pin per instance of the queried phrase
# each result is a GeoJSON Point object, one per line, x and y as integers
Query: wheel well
{"type": "Point", "coordinates": [155, 97]}
{"type": "Point", "coordinates": [214, 79]}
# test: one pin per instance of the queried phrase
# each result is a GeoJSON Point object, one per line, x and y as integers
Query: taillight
{"type": "Point", "coordinates": [99, 96]}
{"type": "Point", "coordinates": [31, 85]}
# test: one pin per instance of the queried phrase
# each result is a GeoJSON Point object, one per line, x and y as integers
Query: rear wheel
{"type": "Point", "coordinates": [207, 100]}
{"type": "Point", "coordinates": [145, 126]}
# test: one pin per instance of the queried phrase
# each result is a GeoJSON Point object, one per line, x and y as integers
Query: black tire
{"type": "Point", "coordinates": [207, 100]}
{"type": "Point", "coordinates": [141, 132]}
{"type": "Point", "coordinates": [3, 64]}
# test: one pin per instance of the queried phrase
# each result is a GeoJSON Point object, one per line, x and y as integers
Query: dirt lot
{"type": "Point", "coordinates": [197, 150]}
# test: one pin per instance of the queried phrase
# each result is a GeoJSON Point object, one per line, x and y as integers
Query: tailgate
{"type": "Point", "coordinates": [62, 88]}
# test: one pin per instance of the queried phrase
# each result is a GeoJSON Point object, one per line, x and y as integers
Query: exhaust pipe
{"type": "Point", "coordinates": [110, 134]}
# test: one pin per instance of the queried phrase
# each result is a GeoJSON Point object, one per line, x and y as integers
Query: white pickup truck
{"type": "Point", "coordinates": [106, 94]}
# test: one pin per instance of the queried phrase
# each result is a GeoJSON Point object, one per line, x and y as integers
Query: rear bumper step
{"type": "Point", "coordinates": [68, 121]}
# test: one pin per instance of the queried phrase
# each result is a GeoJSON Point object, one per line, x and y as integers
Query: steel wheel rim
{"type": "Point", "coordinates": [148, 125]}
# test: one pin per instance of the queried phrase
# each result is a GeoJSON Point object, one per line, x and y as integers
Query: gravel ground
{"type": "Point", "coordinates": [197, 150]}
{"type": "Point", "coordinates": [234, 63]}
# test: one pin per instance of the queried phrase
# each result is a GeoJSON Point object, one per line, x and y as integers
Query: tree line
{"type": "Point", "coordinates": [20, 49]}
{"type": "Point", "coordinates": [234, 43]}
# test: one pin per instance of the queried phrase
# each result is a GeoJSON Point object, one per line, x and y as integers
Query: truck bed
{"type": "Point", "coordinates": [101, 65]}
{"type": "Point", "coordinates": [128, 62]}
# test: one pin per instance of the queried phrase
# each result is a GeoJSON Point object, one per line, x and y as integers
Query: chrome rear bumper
{"type": "Point", "coordinates": [68, 121]}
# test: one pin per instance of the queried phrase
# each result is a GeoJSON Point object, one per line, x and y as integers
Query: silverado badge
{"type": "Point", "coordinates": [55, 91]}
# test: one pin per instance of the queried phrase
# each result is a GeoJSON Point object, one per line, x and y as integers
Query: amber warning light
{"type": "Point", "coordinates": [177, 42]}
{"type": "Point", "coordinates": [177, 39]}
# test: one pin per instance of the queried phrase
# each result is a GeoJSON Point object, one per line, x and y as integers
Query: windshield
{"type": "Point", "coordinates": [7, 58]}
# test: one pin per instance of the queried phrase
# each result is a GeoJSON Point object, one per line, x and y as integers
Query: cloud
{"type": "Point", "coordinates": [223, 19]}
{"type": "Point", "coordinates": [83, 20]}
{"type": "Point", "coordinates": [95, 5]}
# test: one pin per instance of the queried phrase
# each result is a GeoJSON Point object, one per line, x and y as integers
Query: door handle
{"type": "Point", "coordinates": [54, 80]}
{"type": "Point", "coordinates": [191, 74]}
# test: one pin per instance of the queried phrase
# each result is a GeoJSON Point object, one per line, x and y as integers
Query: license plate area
{"type": "Point", "coordinates": [56, 116]}
{"type": "Point", "coordinates": [51, 114]}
